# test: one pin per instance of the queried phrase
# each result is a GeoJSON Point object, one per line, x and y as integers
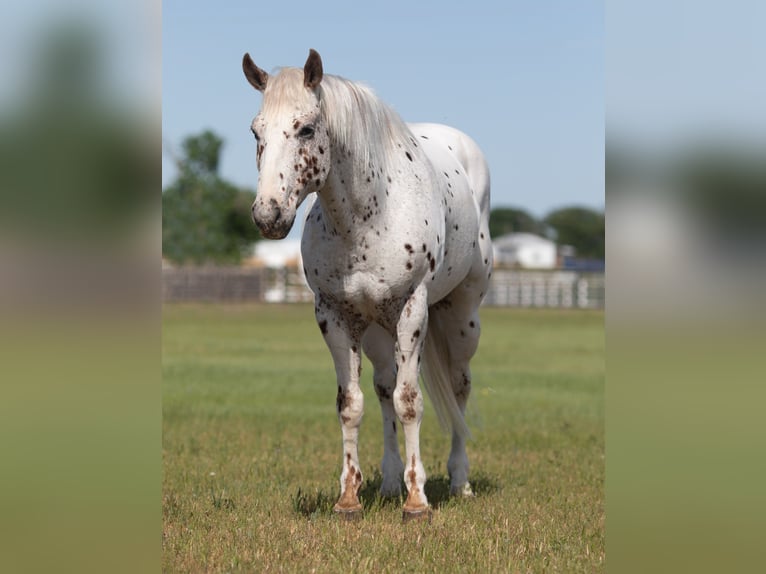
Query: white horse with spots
{"type": "Point", "coordinates": [396, 251]}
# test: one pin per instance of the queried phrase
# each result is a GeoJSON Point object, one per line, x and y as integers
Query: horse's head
{"type": "Point", "coordinates": [293, 154]}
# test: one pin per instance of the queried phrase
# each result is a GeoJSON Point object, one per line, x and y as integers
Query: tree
{"type": "Point", "coordinates": [205, 218]}
{"type": "Point", "coordinates": [503, 220]}
{"type": "Point", "coordinates": [579, 227]}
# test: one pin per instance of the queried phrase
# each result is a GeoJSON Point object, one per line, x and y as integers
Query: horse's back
{"type": "Point", "coordinates": [467, 152]}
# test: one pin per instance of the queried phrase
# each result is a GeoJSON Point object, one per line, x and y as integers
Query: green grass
{"type": "Point", "coordinates": [252, 450]}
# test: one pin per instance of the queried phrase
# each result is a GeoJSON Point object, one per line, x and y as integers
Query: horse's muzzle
{"type": "Point", "coordinates": [271, 220]}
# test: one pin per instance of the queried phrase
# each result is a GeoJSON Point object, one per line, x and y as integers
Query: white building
{"type": "Point", "coordinates": [278, 254]}
{"type": "Point", "coordinates": [524, 250]}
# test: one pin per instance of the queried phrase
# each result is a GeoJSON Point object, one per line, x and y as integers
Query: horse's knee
{"type": "Point", "coordinates": [384, 383]}
{"type": "Point", "coordinates": [461, 385]}
{"type": "Point", "coordinates": [408, 402]}
{"type": "Point", "coordinates": [350, 406]}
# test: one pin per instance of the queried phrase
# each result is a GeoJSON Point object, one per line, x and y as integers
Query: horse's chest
{"type": "Point", "coordinates": [372, 276]}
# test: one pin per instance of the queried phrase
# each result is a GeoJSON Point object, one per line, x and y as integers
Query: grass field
{"type": "Point", "coordinates": [252, 450]}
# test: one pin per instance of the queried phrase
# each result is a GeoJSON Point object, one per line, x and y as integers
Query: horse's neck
{"type": "Point", "coordinates": [353, 196]}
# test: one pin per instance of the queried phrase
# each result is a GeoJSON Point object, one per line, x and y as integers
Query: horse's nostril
{"type": "Point", "coordinates": [278, 215]}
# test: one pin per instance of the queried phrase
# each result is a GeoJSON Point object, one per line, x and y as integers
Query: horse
{"type": "Point", "coordinates": [396, 250]}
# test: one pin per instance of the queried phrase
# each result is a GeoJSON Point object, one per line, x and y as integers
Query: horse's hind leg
{"type": "Point", "coordinates": [378, 345]}
{"type": "Point", "coordinates": [459, 321]}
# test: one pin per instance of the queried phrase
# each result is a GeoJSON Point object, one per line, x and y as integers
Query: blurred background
{"type": "Point", "coordinates": [79, 286]}
{"type": "Point", "coordinates": [686, 239]}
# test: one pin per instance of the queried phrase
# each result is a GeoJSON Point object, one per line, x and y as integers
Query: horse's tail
{"type": "Point", "coordinates": [436, 378]}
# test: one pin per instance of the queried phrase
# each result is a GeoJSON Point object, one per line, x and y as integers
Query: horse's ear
{"type": "Point", "coordinates": [254, 74]}
{"type": "Point", "coordinates": [312, 70]}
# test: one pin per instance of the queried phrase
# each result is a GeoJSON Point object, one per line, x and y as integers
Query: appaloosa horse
{"type": "Point", "coordinates": [396, 251]}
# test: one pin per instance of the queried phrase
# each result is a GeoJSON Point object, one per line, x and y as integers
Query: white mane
{"type": "Point", "coordinates": [359, 122]}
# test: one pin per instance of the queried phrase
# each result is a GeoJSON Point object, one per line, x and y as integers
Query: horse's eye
{"type": "Point", "coordinates": [306, 132]}
{"type": "Point", "coordinates": [255, 134]}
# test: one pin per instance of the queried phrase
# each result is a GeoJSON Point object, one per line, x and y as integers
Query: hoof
{"type": "Point", "coordinates": [419, 515]}
{"type": "Point", "coordinates": [349, 514]}
{"type": "Point", "coordinates": [464, 491]}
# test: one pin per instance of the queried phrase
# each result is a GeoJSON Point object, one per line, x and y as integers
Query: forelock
{"type": "Point", "coordinates": [285, 92]}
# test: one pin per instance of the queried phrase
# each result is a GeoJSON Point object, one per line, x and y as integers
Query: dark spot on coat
{"type": "Point", "coordinates": [340, 401]}
{"type": "Point", "coordinates": [409, 157]}
{"type": "Point", "coordinates": [409, 265]}
{"type": "Point", "coordinates": [432, 264]}
{"type": "Point", "coordinates": [323, 327]}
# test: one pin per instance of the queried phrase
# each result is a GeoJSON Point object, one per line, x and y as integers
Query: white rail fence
{"type": "Point", "coordinates": [556, 288]}
{"type": "Point", "coordinates": [508, 287]}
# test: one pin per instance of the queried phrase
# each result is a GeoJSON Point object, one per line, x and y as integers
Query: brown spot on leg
{"type": "Point", "coordinates": [409, 396]}
{"type": "Point", "coordinates": [348, 505]}
{"type": "Point", "coordinates": [414, 507]}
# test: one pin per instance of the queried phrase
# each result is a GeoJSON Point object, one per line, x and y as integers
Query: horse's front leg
{"type": "Point", "coordinates": [343, 338]}
{"type": "Point", "coordinates": [408, 398]}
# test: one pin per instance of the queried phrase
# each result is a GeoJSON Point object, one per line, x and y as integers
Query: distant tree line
{"type": "Point", "coordinates": [580, 227]}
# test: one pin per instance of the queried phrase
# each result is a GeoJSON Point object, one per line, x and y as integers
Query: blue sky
{"type": "Point", "coordinates": [524, 79]}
